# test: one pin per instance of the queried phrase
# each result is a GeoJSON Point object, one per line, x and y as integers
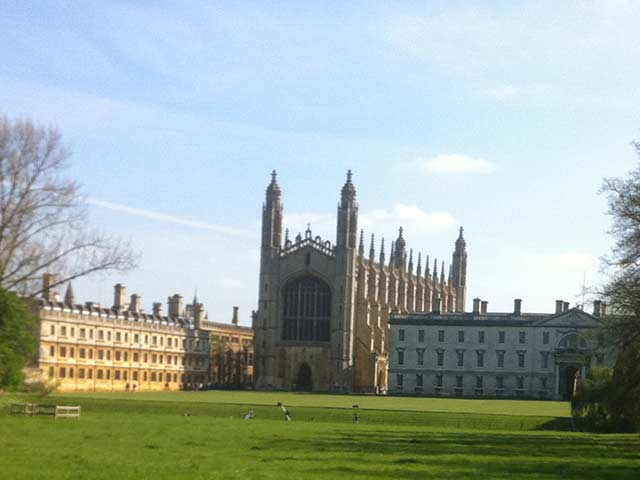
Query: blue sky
{"type": "Point", "coordinates": [500, 116]}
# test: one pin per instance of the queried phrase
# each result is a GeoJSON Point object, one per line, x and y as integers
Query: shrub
{"type": "Point", "coordinates": [17, 342]}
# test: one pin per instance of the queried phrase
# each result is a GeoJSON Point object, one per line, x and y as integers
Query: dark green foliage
{"type": "Point", "coordinates": [625, 401]}
{"type": "Point", "coordinates": [17, 342]}
{"type": "Point", "coordinates": [591, 406]}
{"type": "Point", "coordinates": [617, 400]}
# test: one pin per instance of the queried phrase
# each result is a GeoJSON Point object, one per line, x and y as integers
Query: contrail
{"type": "Point", "coordinates": [161, 217]}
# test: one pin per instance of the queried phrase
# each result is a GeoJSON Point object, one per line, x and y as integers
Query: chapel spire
{"type": "Point", "coordinates": [400, 254]}
{"type": "Point", "coordinates": [272, 215]}
{"type": "Point", "coordinates": [347, 215]}
{"type": "Point", "coordinates": [372, 250]}
{"type": "Point", "coordinates": [459, 271]}
{"type": "Point", "coordinates": [410, 269]}
{"type": "Point", "coordinates": [69, 297]}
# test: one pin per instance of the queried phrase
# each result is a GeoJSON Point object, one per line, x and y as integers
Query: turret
{"type": "Point", "coordinates": [347, 216]}
{"type": "Point", "coordinates": [272, 216]}
{"type": "Point", "coordinates": [382, 256]}
{"type": "Point", "coordinates": [410, 268]}
{"type": "Point", "coordinates": [361, 246]}
{"type": "Point", "coordinates": [345, 282]}
{"type": "Point", "coordinates": [435, 271]}
{"type": "Point", "coordinates": [69, 297]}
{"type": "Point", "coordinates": [372, 251]}
{"type": "Point", "coordinates": [400, 254]}
{"type": "Point", "coordinates": [459, 271]}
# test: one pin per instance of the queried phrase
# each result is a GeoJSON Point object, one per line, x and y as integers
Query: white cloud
{"type": "Point", "coordinates": [455, 163]}
{"type": "Point", "coordinates": [162, 217]}
{"type": "Point", "coordinates": [415, 221]}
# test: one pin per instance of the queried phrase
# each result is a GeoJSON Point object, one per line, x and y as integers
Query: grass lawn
{"type": "Point", "coordinates": [509, 407]}
{"type": "Point", "coordinates": [150, 437]}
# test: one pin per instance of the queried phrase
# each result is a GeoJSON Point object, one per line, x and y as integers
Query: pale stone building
{"type": "Point", "coordinates": [92, 348]}
{"type": "Point", "coordinates": [321, 322]}
{"type": "Point", "coordinates": [488, 354]}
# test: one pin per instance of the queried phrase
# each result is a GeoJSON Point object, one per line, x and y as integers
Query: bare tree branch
{"type": "Point", "coordinates": [43, 216]}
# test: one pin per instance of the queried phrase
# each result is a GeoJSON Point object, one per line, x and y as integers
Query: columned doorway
{"type": "Point", "coordinates": [567, 380]}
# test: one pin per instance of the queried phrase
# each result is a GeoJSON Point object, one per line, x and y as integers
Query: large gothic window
{"type": "Point", "coordinates": [307, 310]}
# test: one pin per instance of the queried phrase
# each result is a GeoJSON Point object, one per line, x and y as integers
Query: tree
{"type": "Point", "coordinates": [17, 342]}
{"type": "Point", "coordinates": [622, 292]}
{"type": "Point", "coordinates": [43, 215]}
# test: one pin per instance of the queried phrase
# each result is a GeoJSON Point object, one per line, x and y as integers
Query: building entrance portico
{"type": "Point", "coordinates": [566, 380]}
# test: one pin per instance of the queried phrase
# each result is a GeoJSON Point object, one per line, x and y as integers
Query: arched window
{"type": "Point", "coordinates": [307, 310]}
{"type": "Point", "coordinates": [573, 341]}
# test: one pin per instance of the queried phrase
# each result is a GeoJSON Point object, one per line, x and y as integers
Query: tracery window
{"type": "Point", "coordinates": [307, 310]}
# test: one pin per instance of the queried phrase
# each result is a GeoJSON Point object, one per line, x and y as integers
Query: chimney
{"type": "Point", "coordinates": [134, 304]}
{"type": "Point", "coordinates": [118, 297]}
{"type": "Point", "coordinates": [603, 309]}
{"type": "Point", "coordinates": [483, 306]}
{"type": "Point", "coordinates": [597, 305]}
{"type": "Point", "coordinates": [48, 293]}
{"type": "Point", "coordinates": [436, 305]}
{"type": "Point", "coordinates": [157, 309]}
{"type": "Point", "coordinates": [175, 305]}
{"type": "Point", "coordinates": [476, 305]}
{"type": "Point", "coordinates": [234, 320]}
{"type": "Point", "coordinates": [198, 314]}
{"type": "Point", "coordinates": [565, 306]}
{"type": "Point", "coordinates": [559, 306]}
{"type": "Point", "coordinates": [517, 307]}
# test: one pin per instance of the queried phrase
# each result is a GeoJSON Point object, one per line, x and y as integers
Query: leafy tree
{"type": "Point", "coordinates": [17, 340]}
{"type": "Point", "coordinates": [43, 216]}
{"type": "Point", "coordinates": [622, 292]}
{"type": "Point", "coordinates": [591, 403]}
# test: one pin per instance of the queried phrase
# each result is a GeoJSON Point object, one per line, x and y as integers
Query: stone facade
{"type": "Point", "coordinates": [91, 348]}
{"type": "Point", "coordinates": [322, 317]}
{"type": "Point", "coordinates": [480, 354]}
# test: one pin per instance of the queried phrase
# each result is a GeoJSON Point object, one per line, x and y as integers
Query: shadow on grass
{"type": "Point", "coordinates": [385, 454]}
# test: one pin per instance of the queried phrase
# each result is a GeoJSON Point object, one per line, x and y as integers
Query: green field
{"type": "Point", "coordinates": [201, 435]}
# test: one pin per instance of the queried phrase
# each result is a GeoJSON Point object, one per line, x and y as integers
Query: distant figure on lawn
{"type": "Point", "coordinates": [287, 416]}
{"type": "Point", "coordinates": [249, 415]}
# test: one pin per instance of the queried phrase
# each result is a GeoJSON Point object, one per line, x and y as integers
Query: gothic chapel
{"type": "Point", "coordinates": [321, 323]}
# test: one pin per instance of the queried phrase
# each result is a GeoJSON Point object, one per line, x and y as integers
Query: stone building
{"type": "Point", "coordinates": [92, 348]}
{"type": "Point", "coordinates": [481, 353]}
{"type": "Point", "coordinates": [321, 322]}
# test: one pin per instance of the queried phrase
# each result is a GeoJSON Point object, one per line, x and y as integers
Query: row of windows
{"type": "Point", "coordinates": [479, 382]}
{"type": "Point", "coordinates": [225, 339]}
{"type": "Point", "coordinates": [64, 352]}
{"type": "Point", "coordinates": [156, 340]}
{"type": "Point", "coordinates": [522, 336]}
{"type": "Point", "coordinates": [64, 372]}
{"type": "Point", "coordinates": [480, 357]}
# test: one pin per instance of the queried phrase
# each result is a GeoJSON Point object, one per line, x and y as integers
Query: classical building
{"type": "Point", "coordinates": [92, 348]}
{"type": "Point", "coordinates": [322, 317]}
{"type": "Point", "coordinates": [481, 353]}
